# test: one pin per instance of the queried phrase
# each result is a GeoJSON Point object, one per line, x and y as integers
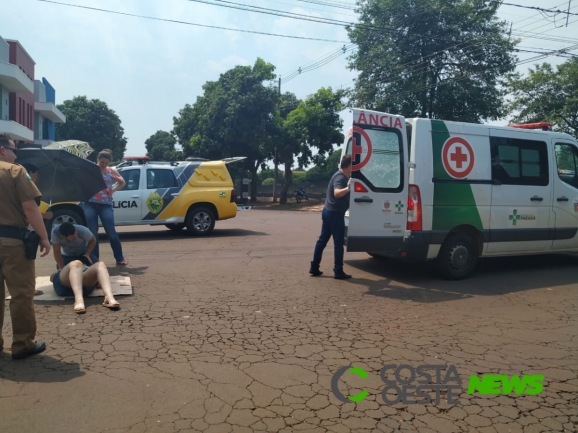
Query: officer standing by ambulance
{"type": "Point", "coordinates": [18, 209]}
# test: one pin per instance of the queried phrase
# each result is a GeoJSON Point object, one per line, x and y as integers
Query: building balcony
{"type": "Point", "coordinates": [17, 131]}
{"type": "Point", "coordinates": [12, 77]}
{"type": "Point", "coordinates": [49, 111]}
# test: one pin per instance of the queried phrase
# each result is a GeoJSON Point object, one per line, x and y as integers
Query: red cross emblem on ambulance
{"type": "Point", "coordinates": [458, 157]}
{"type": "Point", "coordinates": [363, 148]}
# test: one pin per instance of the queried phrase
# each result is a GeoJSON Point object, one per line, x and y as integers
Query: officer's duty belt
{"type": "Point", "coordinates": [12, 232]}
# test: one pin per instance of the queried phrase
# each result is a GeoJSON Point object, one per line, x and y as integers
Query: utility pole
{"type": "Point", "coordinates": [568, 14]}
{"type": "Point", "coordinates": [276, 162]}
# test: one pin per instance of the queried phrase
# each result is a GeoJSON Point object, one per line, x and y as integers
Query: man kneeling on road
{"type": "Point", "coordinates": [71, 241]}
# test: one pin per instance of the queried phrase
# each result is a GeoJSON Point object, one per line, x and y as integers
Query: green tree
{"type": "Point", "coordinates": [445, 59]}
{"type": "Point", "coordinates": [92, 121]}
{"type": "Point", "coordinates": [161, 147]}
{"type": "Point", "coordinates": [185, 126]}
{"type": "Point", "coordinates": [233, 117]}
{"type": "Point", "coordinates": [548, 95]}
{"type": "Point", "coordinates": [313, 125]}
{"type": "Point", "coordinates": [268, 173]}
{"type": "Point", "coordinates": [323, 171]}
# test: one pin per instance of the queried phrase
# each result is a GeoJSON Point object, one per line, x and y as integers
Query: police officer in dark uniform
{"type": "Point", "coordinates": [18, 210]}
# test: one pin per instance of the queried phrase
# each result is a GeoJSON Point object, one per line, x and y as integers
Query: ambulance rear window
{"type": "Point", "coordinates": [381, 168]}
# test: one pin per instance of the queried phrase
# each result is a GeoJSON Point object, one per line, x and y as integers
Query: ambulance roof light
{"type": "Point", "coordinates": [544, 126]}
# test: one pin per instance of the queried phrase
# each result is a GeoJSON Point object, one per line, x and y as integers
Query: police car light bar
{"type": "Point", "coordinates": [135, 158]}
{"type": "Point", "coordinates": [544, 126]}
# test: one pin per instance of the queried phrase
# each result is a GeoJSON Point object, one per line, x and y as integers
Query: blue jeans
{"type": "Point", "coordinates": [333, 225]}
{"type": "Point", "coordinates": [92, 211]}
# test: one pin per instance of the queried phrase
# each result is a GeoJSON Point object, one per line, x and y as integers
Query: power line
{"type": "Point", "coordinates": [293, 15]}
{"type": "Point", "coordinates": [189, 23]}
{"type": "Point", "coordinates": [332, 4]}
{"type": "Point", "coordinates": [318, 64]}
{"type": "Point", "coordinates": [313, 9]}
{"type": "Point", "coordinates": [275, 12]}
{"type": "Point", "coordinates": [556, 11]}
{"type": "Point", "coordinates": [416, 69]}
{"type": "Point", "coordinates": [567, 55]}
{"type": "Point", "coordinates": [420, 68]}
{"type": "Point", "coordinates": [455, 80]}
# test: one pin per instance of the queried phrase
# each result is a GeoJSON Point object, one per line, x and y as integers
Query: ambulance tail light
{"type": "Point", "coordinates": [233, 195]}
{"type": "Point", "coordinates": [414, 216]}
{"type": "Point", "coordinates": [358, 187]}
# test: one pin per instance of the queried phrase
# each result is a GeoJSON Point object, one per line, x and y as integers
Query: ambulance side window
{"type": "Point", "coordinates": [132, 179]}
{"type": "Point", "coordinates": [567, 163]}
{"type": "Point", "coordinates": [519, 162]}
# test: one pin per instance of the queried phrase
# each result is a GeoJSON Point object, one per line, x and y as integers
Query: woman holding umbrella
{"type": "Point", "coordinates": [100, 205]}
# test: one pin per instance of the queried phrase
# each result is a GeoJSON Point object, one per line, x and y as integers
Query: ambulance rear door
{"type": "Point", "coordinates": [377, 143]}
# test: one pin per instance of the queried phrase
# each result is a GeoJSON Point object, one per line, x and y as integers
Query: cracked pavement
{"type": "Point", "coordinates": [230, 334]}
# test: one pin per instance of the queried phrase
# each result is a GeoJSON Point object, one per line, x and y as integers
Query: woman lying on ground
{"type": "Point", "coordinates": [78, 279]}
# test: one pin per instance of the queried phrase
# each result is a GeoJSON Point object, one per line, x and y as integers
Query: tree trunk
{"type": "Point", "coordinates": [286, 183]}
{"type": "Point", "coordinates": [254, 182]}
{"type": "Point", "coordinates": [275, 176]}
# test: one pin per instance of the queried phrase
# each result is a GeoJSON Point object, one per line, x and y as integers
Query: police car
{"type": "Point", "coordinates": [427, 189]}
{"type": "Point", "coordinates": [190, 194]}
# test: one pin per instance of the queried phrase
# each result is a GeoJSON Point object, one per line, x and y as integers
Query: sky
{"type": "Point", "coordinates": [147, 70]}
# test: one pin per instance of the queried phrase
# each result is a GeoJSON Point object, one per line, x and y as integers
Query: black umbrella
{"type": "Point", "coordinates": [63, 176]}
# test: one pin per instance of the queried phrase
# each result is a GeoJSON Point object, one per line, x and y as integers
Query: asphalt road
{"type": "Point", "coordinates": [230, 334]}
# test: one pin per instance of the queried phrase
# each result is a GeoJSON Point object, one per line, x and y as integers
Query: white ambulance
{"type": "Point", "coordinates": [452, 192]}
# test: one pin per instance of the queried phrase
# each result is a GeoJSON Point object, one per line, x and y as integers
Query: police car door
{"type": "Point", "coordinates": [127, 202]}
{"type": "Point", "coordinates": [161, 187]}
{"type": "Point", "coordinates": [378, 200]}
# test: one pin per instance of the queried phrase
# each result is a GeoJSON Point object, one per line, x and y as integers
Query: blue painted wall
{"type": "Point", "coordinates": [49, 125]}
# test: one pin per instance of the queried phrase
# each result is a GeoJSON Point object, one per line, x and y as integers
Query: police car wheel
{"type": "Point", "coordinates": [457, 257]}
{"type": "Point", "coordinates": [200, 221]}
{"type": "Point", "coordinates": [65, 216]}
{"type": "Point", "coordinates": [176, 227]}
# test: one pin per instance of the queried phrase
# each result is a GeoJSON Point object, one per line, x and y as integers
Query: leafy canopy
{"type": "Point", "coordinates": [548, 95]}
{"type": "Point", "coordinates": [161, 147]}
{"type": "Point", "coordinates": [431, 58]}
{"type": "Point", "coordinates": [92, 121]}
{"type": "Point", "coordinates": [233, 117]}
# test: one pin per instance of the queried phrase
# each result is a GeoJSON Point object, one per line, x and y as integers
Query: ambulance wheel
{"type": "Point", "coordinates": [200, 221]}
{"type": "Point", "coordinates": [457, 257]}
{"type": "Point", "coordinates": [176, 227]}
